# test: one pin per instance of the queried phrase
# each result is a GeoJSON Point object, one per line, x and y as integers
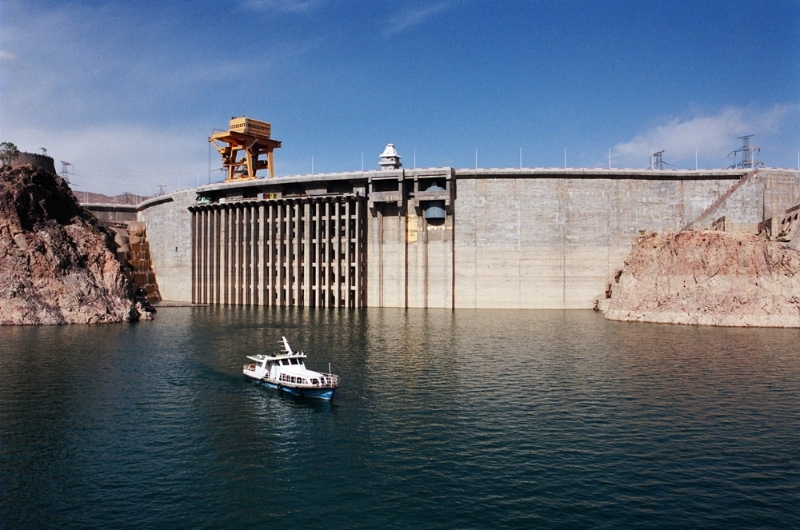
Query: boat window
{"type": "Point", "coordinates": [285, 362]}
{"type": "Point", "coordinates": [294, 361]}
{"type": "Point", "coordinates": [315, 381]}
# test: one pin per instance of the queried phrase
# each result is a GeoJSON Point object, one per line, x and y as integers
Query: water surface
{"type": "Point", "coordinates": [465, 419]}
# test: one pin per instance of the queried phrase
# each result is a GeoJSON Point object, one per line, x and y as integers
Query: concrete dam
{"type": "Point", "coordinates": [435, 238]}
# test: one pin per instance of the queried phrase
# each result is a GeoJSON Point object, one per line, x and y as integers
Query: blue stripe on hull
{"type": "Point", "coordinates": [318, 393]}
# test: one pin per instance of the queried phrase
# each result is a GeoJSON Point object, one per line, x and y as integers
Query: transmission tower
{"type": "Point", "coordinates": [747, 151]}
{"type": "Point", "coordinates": [657, 160]}
{"type": "Point", "coordinates": [65, 171]}
{"type": "Point", "coordinates": [161, 189]}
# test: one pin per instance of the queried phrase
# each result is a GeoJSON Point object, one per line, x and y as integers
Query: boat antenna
{"type": "Point", "coordinates": [286, 345]}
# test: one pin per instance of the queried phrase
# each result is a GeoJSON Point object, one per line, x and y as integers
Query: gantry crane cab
{"type": "Point", "coordinates": [253, 138]}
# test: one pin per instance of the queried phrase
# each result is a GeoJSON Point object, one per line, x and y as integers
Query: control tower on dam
{"type": "Point", "coordinates": [438, 238]}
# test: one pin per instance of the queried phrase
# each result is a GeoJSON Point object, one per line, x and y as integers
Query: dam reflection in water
{"type": "Point", "coordinates": [465, 419]}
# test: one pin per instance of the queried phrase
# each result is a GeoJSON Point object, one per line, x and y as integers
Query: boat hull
{"type": "Point", "coordinates": [316, 393]}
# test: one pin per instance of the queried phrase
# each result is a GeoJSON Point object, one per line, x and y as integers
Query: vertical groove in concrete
{"type": "Point", "coordinates": [194, 258]}
{"type": "Point", "coordinates": [245, 279]}
{"type": "Point", "coordinates": [221, 256]}
{"type": "Point", "coordinates": [271, 255]}
{"type": "Point", "coordinates": [209, 243]}
{"type": "Point", "coordinates": [230, 273]}
{"type": "Point", "coordinates": [226, 262]}
{"type": "Point", "coordinates": [306, 254]}
{"type": "Point", "coordinates": [245, 254]}
{"type": "Point", "coordinates": [347, 265]}
{"type": "Point", "coordinates": [241, 247]}
{"type": "Point", "coordinates": [327, 258]}
{"type": "Point", "coordinates": [404, 215]}
{"type": "Point", "coordinates": [279, 258]}
{"type": "Point", "coordinates": [425, 258]}
{"type": "Point", "coordinates": [261, 253]}
{"type": "Point", "coordinates": [212, 242]}
{"type": "Point", "coordinates": [199, 255]}
{"type": "Point", "coordinates": [206, 223]}
{"type": "Point", "coordinates": [210, 256]}
{"type": "Point", "coordinates": [453, 261]}
{"type": "Point", "coordinates": [286, 264]}
{"type": "Point", "coordinates": [336, 240]}
{"type": "Point", "coordinates": [253, 256]}
{"type": "Point", "coordinates": [357, 257]}
{"type": "Point", "coordinates": [201, 268]}
{"type": "Point", "coordinates": [237, 261]}
{"type": "Point", "coordinates": [297, 254]}
{"type": "Point", "coordinates": [380, 254]}
{"type": "Point", "coordinates": [215, 258]}
{"type": "Point", "coordinates": [289, 259]}
{"type": "Point", "coordinates": [317, 253]}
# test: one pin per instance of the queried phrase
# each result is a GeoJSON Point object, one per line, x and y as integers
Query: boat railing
{"type": "Point", "coordinates": [331, 379]}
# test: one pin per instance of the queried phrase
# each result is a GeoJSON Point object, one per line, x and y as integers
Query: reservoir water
{"type": "Point", "coordinates": [465, 419]}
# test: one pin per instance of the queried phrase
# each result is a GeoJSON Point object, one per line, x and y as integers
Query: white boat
{"type": "Point", "coordinates": [287, 371]}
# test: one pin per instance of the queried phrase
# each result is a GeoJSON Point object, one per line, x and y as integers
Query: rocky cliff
{"type": "Point", "coordinates": [711, 278]}
{"type": "Point", "coordinates": [57, 261]}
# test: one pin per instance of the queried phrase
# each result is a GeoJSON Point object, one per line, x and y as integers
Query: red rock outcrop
{"type": "Point", "coordinates": [57, 261]}
{"type": "Point", "coordinates": [710, 278]}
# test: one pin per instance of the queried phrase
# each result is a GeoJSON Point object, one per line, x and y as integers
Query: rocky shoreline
{"type": "Point", "coordinates": [708, 278]}
{"type": "Point", "coordinates": [58, 263]}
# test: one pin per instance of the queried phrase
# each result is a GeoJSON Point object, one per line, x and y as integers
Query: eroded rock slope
{"type": "Point", "coordinates": [57, 261]}
{"type": "Point", "coordinates": [712, 278]}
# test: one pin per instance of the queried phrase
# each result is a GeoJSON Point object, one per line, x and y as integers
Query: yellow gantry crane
{"type": "Point", "coordinates": [252, 137]}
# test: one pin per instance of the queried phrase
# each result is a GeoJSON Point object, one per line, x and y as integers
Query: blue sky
{"type": "Point", "coordinates": [128, 91]}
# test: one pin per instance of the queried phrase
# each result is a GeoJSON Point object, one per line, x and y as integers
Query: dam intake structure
{"type": "Point", "coordinates": [307, 251]}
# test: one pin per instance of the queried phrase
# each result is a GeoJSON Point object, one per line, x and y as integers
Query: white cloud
{"type": "Point", "coordinates": [114, 158]}
{"type": "Point", "coordinates": [712, 138]}
{"type": "Point", "coordinates": [415, 16]}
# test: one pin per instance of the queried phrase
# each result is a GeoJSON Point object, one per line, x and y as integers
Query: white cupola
{"type": "Point", "coordinates": [390, 159]}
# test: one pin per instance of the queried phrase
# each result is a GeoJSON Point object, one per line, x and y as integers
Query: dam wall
{"type": "Point", "coordinates": [508, 238]}
{"type": "Point", "coordinates": [556, 242]}
{"type": "Point", "coordinates": [169, 233]}
{"type": "Point", "coordinates": [550, 239]}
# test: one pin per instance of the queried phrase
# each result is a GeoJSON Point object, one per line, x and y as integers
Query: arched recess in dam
{"type": "Point", "coordinates": [280, 252]}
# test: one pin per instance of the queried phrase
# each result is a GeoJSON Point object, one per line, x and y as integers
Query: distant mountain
{"type": "Point", "coordinates": [89, 197]}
